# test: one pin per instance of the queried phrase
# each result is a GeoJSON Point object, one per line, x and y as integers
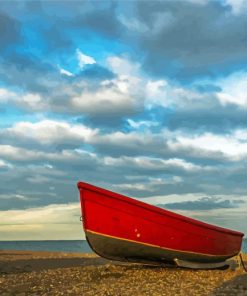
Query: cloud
{"type": "Point", "coordinates": [84, 59]}
{"type": "Point", "coordinates": [80, 94]}
{"type": "Point", "coordinates": [234, 89]}
{"type": "Point", "coordinates": [229, 146]}
{"type": "Point", "coordinates": [205, 204]}
{"type": "Point", "coordinates": [66, 72]}
{"type": "Point", "coordinates": [16, 197]}
{"type": "Point", "coordinates": [94, 74]}
{"type": "Point", "coordinates": [7, 95]}
{"type": "Point", "coordinates": [49, 132]}
{"type": "Point", "coordinates": [149, 186]}
{"type": "Point", "coordinates": [10, 31]}
{"type": "Point", "coordinates": [213, 117]}
{"type": "Point", "coordinates": [123, 66]}
{"type": "Point", "coordinates": [4, 164]}
{"type": "Point", "coordinates": [173, 144]}
{"type": "Point", "coordinates": [13, 153]}
{"type": "Point", "coordinates": [111, 101]}
{"type": "Point", "coordinates": [153, 164]}
{"type": "Point", "coordinates": [101, 19]}
{"type": "Point", "coordinates": [238, 7]}
{"type": "Point", "coordinates": [27, 75]}
{"type": "Point", "coordinates": [187, 40]}
{"type": "Point", "coordinates": [218, 107]}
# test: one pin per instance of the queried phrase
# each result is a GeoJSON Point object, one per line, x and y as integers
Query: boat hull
{"type": "Point", "coordinates": [120, 228]}
{"type": "Point", "coordinates": [125, 250]}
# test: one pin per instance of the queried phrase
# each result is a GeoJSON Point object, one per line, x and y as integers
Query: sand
{"type": "Point", "coordinates": [45, 273]}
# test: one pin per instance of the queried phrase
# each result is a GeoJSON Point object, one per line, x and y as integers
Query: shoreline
{"type": "Point", "coordinates": [61, 273]}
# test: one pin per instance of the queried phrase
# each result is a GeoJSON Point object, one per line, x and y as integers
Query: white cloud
{"type": "Point", "coordinates": [149, 186]}
{"type": "Point", "coordinates": [238, 6]}
{"type": "Point", "coordinates": [125, 140]}
{"type": "Point", "coordinates": [231, 146]}
{"type": "Point", "coordinates": [234, 89]}
{"type": "Point", "coordinates": [163, 199]}
{"type": "Point", "coordinates": [56, 221]}
{"type": "Point", "coordinates": [33, 101]}
{"type": "Point", "coordinates": [102, 101]}
{"type": "Point", "coordinates": [152, 163]}
{"type": "Point", "coordinates": [118, 95]}
{"type": "Point", "coordinates": [160, 20]}
{"type": "Point", "coordinates": [133, 186]}
{"type": "Point", "coordinates": [133, 24]}
{"type": "Point", "coordinates": [13, 153]}
{"type": "Point", "coordinates": [164, 93]}
{"type": "Point", "coordinates": [122, 66]}
{"type": "Point", "coordinates": [26, 100]}
{"type": "Point", "coordinates": [16, 197]}
{"type": "Point", "coordinates": [6, 95]}
{"type": "Point", "coordinates": [66, 72]}
{"type": "Point", "coordinates": [4, 164]}
{"type": "Point", "coordinates": [84, 59]}
{"type": "Point", "coordinates": [157, 93]}
{"type": "Point", "coordinates": [50, 132]}
{"type": "Point", "coordinates": [181, 163]}
{"type": "Point", "coordinates": [16, 153]}
{"type": "Point", "coordinates": [39, 179]}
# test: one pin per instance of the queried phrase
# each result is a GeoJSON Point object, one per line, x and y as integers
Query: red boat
{"type": "Point", "coordinates": [124, 229]}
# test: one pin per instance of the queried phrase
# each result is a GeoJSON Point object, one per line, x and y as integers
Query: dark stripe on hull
{"type": "Point", "coordinates": [124, 250]}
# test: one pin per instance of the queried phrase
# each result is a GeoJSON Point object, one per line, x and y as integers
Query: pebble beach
{"type": "Point", "coordinates": [56, 273]}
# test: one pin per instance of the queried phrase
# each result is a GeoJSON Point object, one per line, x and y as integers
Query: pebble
{"type": "Point", "coordinates": [117, 279]}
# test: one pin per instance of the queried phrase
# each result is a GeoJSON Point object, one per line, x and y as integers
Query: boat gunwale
{"type": "Point", "coordinates": [152, 208]}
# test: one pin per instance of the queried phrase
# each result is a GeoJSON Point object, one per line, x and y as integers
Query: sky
{"type": "Point", "coordinates": [145, 98]}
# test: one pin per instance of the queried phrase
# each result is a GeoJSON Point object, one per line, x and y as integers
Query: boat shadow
{"type": "Point", "coordinates": [234, 287]}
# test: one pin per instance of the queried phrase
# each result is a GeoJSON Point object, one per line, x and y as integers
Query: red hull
{"type": "Point", "coordinates": [121, 228]}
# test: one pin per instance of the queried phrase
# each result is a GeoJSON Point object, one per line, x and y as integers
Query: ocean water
{"type": "Point", "coordinates": [68, 246]}
{"type": "Point", "coordinates": [73, 246]}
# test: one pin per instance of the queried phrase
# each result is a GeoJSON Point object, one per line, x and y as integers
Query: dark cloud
{"type": "Point", "coordinates": [101, 20]}
{"type": "Point", "coordinates": [10, 32]}
{"type": "Point", "coordinates": [96, 72]}
{"type": "Point", "coordinates": [186, 39]}
{"type": "Point", "coordinates": [205, 203]}
{"type": "Point", "coordinates": [211, 118]}
{"type": "Point", "coordinates": [28, 73]}
{"type": "Point", "coordinates": [156, 145]}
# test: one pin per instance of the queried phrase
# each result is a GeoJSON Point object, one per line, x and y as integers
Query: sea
{"type": "Point", "coordinates": [68, 246]}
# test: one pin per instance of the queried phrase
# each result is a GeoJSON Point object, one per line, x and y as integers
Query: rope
{"type": "Point", "coordinates": [242, 262]}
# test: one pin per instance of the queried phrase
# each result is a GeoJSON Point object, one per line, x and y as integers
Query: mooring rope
{"type": "Point", "coordinates": [242, 262]}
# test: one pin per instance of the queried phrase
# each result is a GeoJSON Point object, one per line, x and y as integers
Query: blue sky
{"type": "Point", "coordinates": [146, 98]}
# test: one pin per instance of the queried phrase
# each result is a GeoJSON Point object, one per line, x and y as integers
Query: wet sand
{"type": "Point", "coordinates": [46, 273]}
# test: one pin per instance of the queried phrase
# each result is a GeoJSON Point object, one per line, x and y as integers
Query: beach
{"type": "Point", "coordinates": [58, 273]}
